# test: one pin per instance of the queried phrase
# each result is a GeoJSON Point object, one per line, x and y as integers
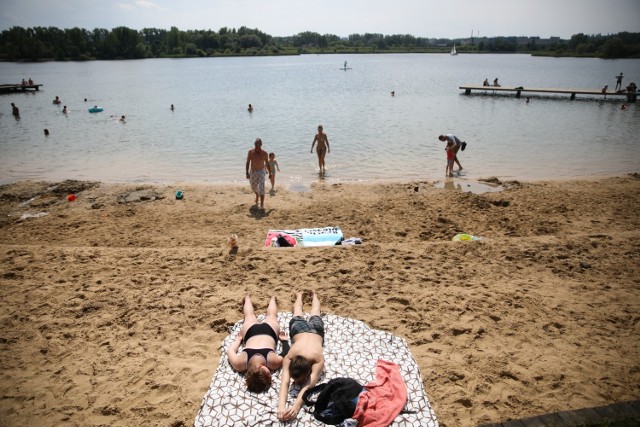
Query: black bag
{"type": "Point", "coordinates": [337, 400]}
{"type": "Point", "coordinates": [282, 242]}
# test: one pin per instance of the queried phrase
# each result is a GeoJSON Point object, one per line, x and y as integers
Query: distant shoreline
{"type": "Point", "coordinates": [343, 52]}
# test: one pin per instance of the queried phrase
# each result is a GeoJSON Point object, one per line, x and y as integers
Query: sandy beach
{"type": "Point", "coordinates": [114, 306]}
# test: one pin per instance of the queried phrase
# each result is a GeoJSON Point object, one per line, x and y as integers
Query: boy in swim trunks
{"type": "Point", "coordinates": [305, 361]}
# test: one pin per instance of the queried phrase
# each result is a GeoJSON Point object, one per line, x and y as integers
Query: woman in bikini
{"type": "Point", "coordinates": [258, 357]}
{"type": "Point", "coordinates": [322, 149]}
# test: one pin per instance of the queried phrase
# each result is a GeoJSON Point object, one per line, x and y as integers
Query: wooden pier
{"type": "Point", "coordinates": [572, 92]}
{"type": "Point", "coordinates": [18, 87]}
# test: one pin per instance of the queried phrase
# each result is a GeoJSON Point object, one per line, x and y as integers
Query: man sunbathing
{"type": "Point", "coordinates": [304, 362]}
{"type": "Point", "coordinates": [258, 357]}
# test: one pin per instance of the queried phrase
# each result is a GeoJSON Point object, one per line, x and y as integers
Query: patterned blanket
{"type": "Point", "coordinates": [351, 350]}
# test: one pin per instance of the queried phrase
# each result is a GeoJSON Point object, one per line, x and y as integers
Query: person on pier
{"type": "Point", "coordinates": [619, 81]}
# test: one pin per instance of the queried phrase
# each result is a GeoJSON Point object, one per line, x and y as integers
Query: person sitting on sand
{"type": "Point", "coordinates": [258, 357]}
{"type": "Point", "coordinates": [305, 361]}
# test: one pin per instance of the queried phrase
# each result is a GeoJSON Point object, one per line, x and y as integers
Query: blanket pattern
{"type": "Point", "coordinates": [306, 237]}
{"type": "Point", "coordinates": [352, 349]}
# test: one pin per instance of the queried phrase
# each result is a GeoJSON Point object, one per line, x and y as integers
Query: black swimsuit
{"type": "Point", "coordinates": [260, 329]}
{"type": "Point", "coordinates": [264, 352]}
{"type": "Point", "coordinates": [255, 330]}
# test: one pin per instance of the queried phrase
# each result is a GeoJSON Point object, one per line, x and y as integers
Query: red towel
{"type": "Point", "coordinates": [383, 399]}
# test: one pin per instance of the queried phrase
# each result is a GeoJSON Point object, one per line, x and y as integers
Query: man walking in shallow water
{"type": "Point", "coordinates": [257, 167]}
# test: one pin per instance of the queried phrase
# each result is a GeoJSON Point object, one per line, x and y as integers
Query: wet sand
{"type": "Point", "coordinates": [114, 305]}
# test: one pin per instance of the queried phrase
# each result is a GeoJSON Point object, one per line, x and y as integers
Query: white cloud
{"type": "Point", "coordinates": [125, 6]}
{"type": "Point", "coordinates": [148, 4]}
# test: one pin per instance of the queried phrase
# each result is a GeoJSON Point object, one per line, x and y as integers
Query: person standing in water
{"type": "Point", "coordinates": [457, 144]}
{"type": "Point", "coordinates": [322, 149]}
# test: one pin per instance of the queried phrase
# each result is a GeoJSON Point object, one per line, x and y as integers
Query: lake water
{"type": "Point", "coordinates": [373, 135]}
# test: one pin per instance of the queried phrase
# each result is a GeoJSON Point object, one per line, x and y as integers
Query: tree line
{"type": "Point", "coordinates": [52, 43]}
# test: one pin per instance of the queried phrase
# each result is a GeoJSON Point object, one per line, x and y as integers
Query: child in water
{"type": "Point", "coordinates": [273, 165]}
{"type": "Point", "coordinates": [451, 155]}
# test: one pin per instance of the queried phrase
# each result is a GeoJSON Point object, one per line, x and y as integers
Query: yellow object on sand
{"type": "Point", "coordinates": [463, 237]}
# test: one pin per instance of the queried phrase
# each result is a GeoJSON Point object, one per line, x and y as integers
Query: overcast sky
{"type": "Point", "coordinates": [421, 18]}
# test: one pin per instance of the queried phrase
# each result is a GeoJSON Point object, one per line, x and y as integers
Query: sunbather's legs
{"type": "Point", "coordinates": [315, 305]}
{"type": "Point", "coordinates": [297, 306]}
{"type": "Point", "coordinates": [272, 315]}
{"type": "Point", "coordinates": [250, 318]}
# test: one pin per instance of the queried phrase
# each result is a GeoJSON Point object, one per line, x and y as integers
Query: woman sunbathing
{"type": "Point", "coordinates": [258, 357]}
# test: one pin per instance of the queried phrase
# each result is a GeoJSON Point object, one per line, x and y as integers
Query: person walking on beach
{"type": "Point", "coordinates": [258, 358]}
{"type": "Point", "coordinates": [256, 167]}
{"type": "Point", "coordinates": [457, 144]}
{"type": "Point", "coordinates": [619, 81]}
{"type": "Point", "coordinates": [273, 165]}
{"type": "Point", "coordinates": [305, 361]}
{"type": "Point", "coordinates": [322, 149]}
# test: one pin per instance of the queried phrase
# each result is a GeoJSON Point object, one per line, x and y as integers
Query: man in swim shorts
{"type": "Point", "coordinates": [257, 167]}
{"type": "Point", "coordinates": [305, 361]}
